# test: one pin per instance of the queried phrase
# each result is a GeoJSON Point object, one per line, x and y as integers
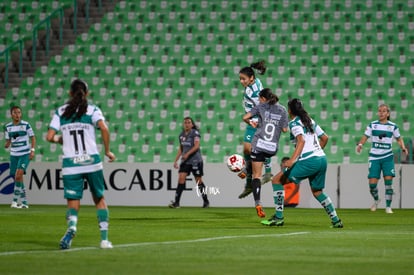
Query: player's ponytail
{"type": "Point", "coordinates": [296, 108]}
{"type": "Point", "coordinates": [78, 104]}
{"type": "Point", "coordinates": [271, 98]}
{"type": "Point", "coordinates": [260, 66]}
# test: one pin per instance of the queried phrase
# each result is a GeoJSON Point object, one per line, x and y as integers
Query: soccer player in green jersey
{"type": "Point", "coordinates": [381, 157]}
{"type": "Point", "coordinates": [308, 161]}
{"type": "Point", "coordinates": [21, 140]}
{"type": "Point", "coordinates": [252, 86]}
{"type": "Point", "coordinates": [77, 121]}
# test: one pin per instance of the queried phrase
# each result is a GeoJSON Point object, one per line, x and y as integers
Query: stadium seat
{"type": "Point", "coordinates": [149, 64]}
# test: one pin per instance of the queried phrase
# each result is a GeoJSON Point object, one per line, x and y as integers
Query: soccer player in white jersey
{"type": "Point", "coordinates": [21, 140]}
{"type": "Point", "coordinates": [252, 86]}
{"type": "Point", "coordinates": [77, 121]}
{"type": "Point", "coordinates": [381, 157]}
{"type": "Point", "coordinates": [272, 120]}
{"type": "Point", "coordinates": [308, 161]}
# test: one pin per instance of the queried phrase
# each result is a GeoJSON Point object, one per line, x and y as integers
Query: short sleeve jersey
{"type": "Point", "coordinates": [271, 120]}
{"type": "Point", "coordinates": [19, 136]}
{"type": "Point", "coordinates": [312, 147]}
{"type": "Point", "coordinates": [80, 151]}
{"type": "Point", "coordinates": [187, 142]}
{"type": "Point", "coordinates": [381, 138]}
{"type": "Point", "coordinates": [251, 95]}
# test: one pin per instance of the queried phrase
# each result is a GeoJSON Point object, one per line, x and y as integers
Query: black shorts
{"type": "Point", "coordinates": [196, 169]}
{"type": "Point", "coordinates": [260, 156]}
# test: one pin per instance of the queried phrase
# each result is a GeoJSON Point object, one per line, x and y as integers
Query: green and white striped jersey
{"type": "Point", "coordinates": [312, 147]}
{"type": "Point", "coordinates": [19, 135]}
{"type": "Point", "coordinates": [251, 95]}
{"type": "Point", "coordinates": [80, 152]}
{"type": "Point", "coordinates": [381, 138]}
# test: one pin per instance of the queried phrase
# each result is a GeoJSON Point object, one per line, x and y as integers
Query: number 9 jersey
{"type": "Point", "coordinates": [272, 120]}
{"type": "Point", "coordinates": [80, 152]}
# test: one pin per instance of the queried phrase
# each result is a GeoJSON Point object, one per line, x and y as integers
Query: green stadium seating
{"type": "Point", "coordinates": [19, 17]}
{"type": "Point", "coordinates": [149, 64]}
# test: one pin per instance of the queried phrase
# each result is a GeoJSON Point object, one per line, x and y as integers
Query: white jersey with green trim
{"type": "Point", "coordinates": [80, 152]}
{"type": "Point", "coordinates": [381, 135]}
{"type": "Point", "coordinates": [19, 136]}
{"type": "Point", "coordinates": [312, 147]}
{"type": "Point", "coordinates": [251, 95]}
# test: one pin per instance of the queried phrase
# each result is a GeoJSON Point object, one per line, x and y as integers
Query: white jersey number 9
{"type": "Point", "coordinates": [270, 131]}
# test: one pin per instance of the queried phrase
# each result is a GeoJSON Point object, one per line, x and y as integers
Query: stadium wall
{"type": "Point", "coordinates": [149, 184]}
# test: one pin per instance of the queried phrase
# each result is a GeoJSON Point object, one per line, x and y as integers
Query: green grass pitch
{"type": "Point", "coordinates": [159, 240]}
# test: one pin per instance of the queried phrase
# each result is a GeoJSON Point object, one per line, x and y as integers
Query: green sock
{"type": "Point", "coordinates": [327, 204]}
{"type": "Point", "coordinates": [373, 190]}
{"type": "Point", "coordinates": [72, 218]}
{"type": "Point", "coordinates": [16, 192]}
{"type": "Point", "coordinates": [268, 165]}
{"type": "Point", "coordinates": [279, 198]}
{"type": "Point", "coordinates": [23, 193]}
{"type": "Point", "coordinates": [103, 222]}
{"type": "Point", "coordinates": [388, 193]}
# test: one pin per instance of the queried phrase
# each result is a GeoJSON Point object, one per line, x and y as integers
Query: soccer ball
{"type": "Point", "coordinates": [235, 163]}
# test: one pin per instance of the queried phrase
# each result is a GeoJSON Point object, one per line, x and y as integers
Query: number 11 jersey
{"type": "Point", "coordinates": [80, 152]}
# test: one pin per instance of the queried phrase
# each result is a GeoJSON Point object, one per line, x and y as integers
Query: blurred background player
{"type": "Point", "coordinates": [292, 196]}
{"type": "Point", "coordinates": [381, 157]}
{"type": "Point", "coordinates": [21, 140]}
{"type": "Point", "coordinates": [308, 161]}
{"type": "Point", "coordinates": [191, 162]}
{"type": "Point", "coordinates": [272, 120]}
{"type": "Point", "coordinates": [252, 86]}
{"type": "Point", "coordinates": [77, 121]}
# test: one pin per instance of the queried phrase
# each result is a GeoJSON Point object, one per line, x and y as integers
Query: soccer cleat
{"type": "Point", "coordinates": [14, 205]}
{"type": "Point", "coordinates": [375, 205]}
{"type": "Point", "coordinates": [105, 244]}
{"type": "Point", "coordinates": [260, 211]}
{"type": "Point", "coordinates": [66, 240]}
{"type": "Point", "coordinates": [273, 221]}
{"type": "Point", "coordinates": [337, 224]}
{"type": "Point", "coordinates": [388, 210]}
{"type": "Point", "coordinates": [206, 204]}
{"type": "Point", "coordinates": [245, 192]}
{"type": "Point", "coordinates": [267, 177]}
{"type": "Point", "coordinates": [242, 174]}
{"type": "Point", "coordinates": [24, 206]}
{"type": "Point", "coordinates": [173, 205]}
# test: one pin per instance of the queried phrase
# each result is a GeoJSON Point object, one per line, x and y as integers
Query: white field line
{"type": "Point", "coordinates": [157, 243]}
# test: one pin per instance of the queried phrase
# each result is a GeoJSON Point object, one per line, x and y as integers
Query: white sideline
{"type": "Point", "coordinates": [156, 243]}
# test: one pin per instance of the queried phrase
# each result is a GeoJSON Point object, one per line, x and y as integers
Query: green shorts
{"type": "Point", "coordinates": [19, 162]}
{"type": "Point", "coordinates": [313, 168]}
{"type": "Point", "coordinates": [75, 184]}
{"type": "Point", "coordinates": [386, 165]}
{"type": "Point", "coordinates": [249, 134]}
